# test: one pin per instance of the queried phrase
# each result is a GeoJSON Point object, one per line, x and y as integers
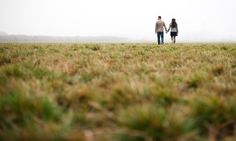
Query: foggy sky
{"type": "Point", "coordinates": [198, 20]}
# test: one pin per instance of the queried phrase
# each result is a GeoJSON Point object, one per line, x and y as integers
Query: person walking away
{"type": "Point", "coordinates": [159, 30]}
{"type": "Point", "coordinates": [173, 30]}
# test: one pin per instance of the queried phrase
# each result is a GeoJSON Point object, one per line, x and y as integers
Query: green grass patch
{"type": "Point", "coordinates": [117, 91]}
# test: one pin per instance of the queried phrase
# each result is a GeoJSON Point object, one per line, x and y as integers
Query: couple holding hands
{"type": "Point", "coordinates": [159, 30]}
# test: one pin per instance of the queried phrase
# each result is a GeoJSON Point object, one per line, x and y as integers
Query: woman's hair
{"type": "Point", "coordinates": [173, 23]}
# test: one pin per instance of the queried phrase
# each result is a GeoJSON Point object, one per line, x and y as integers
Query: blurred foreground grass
{"type": "Point", "coordinates": [118, 92]}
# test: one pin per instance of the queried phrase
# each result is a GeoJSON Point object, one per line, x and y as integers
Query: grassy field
{"type": "Point", "coordinates": [118, 92]}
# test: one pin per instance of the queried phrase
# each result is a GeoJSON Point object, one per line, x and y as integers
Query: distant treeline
{"type": "Point", "coordinates": [25, 38]}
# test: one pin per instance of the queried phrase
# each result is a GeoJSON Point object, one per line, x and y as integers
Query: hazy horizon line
{"type": "Point", "coordinates": [95, 38]}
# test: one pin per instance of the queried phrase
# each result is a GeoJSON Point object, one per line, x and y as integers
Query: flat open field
{"type": "Point", "coordinates": [118, 92]}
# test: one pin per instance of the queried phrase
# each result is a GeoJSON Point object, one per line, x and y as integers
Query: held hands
{"type": "Point", "coordinates": [167, 31]}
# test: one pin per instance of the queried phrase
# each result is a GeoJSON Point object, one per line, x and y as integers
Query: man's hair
{"type": "Point", "coordinates": [159, 17]}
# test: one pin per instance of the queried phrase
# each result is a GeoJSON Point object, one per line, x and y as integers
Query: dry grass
{"type": "Point", "coordinates": [122, 92]}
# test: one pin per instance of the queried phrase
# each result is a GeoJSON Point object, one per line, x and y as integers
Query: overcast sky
{"type": "Point", "coordinates": [198, 20]}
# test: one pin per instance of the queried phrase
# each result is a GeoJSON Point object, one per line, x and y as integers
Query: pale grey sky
{"type": "Point", "coordinates": [198, 20]}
